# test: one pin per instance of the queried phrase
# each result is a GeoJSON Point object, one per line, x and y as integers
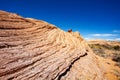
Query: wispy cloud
{"type": "Point", "coordinates": [88, 38]}
{"type": "Point", "coordinates": [116, 31]}
{"type": "Point", "coordinates": [103, 35]}
{"type": "Point", "coordinates": [118, 39]}
{"type": "Point", "coordinates": [108, 39]}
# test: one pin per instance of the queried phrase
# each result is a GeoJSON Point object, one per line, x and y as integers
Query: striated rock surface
{"type": "Point", "coordinates": [36, 50]}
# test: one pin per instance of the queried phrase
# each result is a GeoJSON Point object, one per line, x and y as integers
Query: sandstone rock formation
{"type": "Point", "coordinates": [36, 50]}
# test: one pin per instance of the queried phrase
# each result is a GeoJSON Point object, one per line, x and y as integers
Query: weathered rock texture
{"type": "Point", "coordinates": [35, 50]}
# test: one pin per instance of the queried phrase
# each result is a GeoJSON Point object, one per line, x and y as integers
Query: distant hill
{"type": "Point", "coordinates": [108, 50]}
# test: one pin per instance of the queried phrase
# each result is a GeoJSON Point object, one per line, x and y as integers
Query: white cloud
{"type": "Point", "coordinates": [87, 38]}
{"type": "Point", "coordinates": [118, 39]}
{"type": "Point", "coordinates": [116, 31]}
{"type": "Point", "coordinates": [109, 39]}
{"type": "Point", "coordinates": [103, 35]}
{"type": "Point", "coordinates": [100, 39]}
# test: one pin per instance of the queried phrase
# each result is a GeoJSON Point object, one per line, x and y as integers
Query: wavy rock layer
{"type": "Point", "coordinates": [35, 50]}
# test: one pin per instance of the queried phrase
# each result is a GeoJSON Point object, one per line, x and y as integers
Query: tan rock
{"type": "Point", "coordinates": [36, 50]}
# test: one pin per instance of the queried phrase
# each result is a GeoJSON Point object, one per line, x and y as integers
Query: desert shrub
{"type": "Point", "coordinates": [118, 64]}
{"type": "Point", "coordinates": [116, 57]}
{"type": "Point", "coordinates": [116, 47]}
{"type": "Point", "coordinates": [100, 52]}
{"type": "Point", "coordinates": [100, 49]}
{"type": "Point", "coordinates": [95, 46]}
{"type": "Point", "coordinates": [98, 46]}
{"type": "Point", "coordinates": [107, 47]}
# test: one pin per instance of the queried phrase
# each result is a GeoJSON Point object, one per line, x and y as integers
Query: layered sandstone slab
{"type": "Point", "coordinates": [36, 50]}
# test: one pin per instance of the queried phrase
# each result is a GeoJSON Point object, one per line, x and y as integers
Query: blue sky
{"type": "Point", "coordinates": [94, 19]}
